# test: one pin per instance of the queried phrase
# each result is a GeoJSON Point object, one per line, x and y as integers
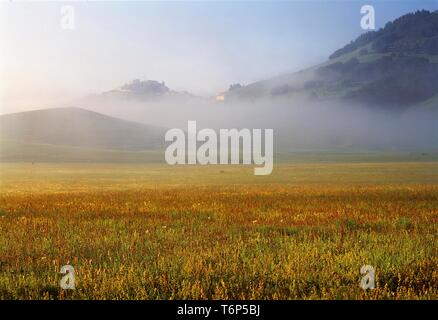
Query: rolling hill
{"type": "Point", "coordinates": [68, 133]}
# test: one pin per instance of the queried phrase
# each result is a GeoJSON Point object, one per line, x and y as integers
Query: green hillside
{"type": "Point", "coordinates": [394, 68]}
{"type": "Point", "coordinates": [16, 151]}
{"type": "Point", "coordinates": [79, 128]}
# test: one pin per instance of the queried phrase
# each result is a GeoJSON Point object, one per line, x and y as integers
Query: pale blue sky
{"type": "Point", "coordinates": [200, 47]}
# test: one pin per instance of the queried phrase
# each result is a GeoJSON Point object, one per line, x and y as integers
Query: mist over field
{"type": "Point", "coordinates": [299, 125]}
{"type": "Point", "coordinates": [368, 90]}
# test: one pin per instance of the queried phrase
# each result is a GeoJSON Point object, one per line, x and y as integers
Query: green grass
{"type": "Point", "coordinates": [17, 151]}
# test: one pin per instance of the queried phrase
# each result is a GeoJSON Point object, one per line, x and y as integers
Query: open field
{"type": "Point", "coordinates": [154, 231]}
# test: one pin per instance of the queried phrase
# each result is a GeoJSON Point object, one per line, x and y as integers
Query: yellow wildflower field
{"type": "Point", "coordinates": [134, 231]}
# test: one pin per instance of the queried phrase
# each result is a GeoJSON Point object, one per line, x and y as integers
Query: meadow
{"type": "Point", "coordinates": [153, 231]}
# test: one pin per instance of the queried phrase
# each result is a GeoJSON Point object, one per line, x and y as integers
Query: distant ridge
{"type": "Point", "coordinates": [413, 33]}
{"type": "Point", "coordinates": [394, 68]}
{"type": "Point", "coordinates": [145, 90]}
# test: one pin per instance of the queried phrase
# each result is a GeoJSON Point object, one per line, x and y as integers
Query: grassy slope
{"type": "Point", "coordinates": [80, 128]}
{"type": "Point", "coordinates": [298, 79]}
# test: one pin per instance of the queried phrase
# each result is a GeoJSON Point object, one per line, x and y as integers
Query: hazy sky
{"type": "Point", "coordinates": [201, 47]}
